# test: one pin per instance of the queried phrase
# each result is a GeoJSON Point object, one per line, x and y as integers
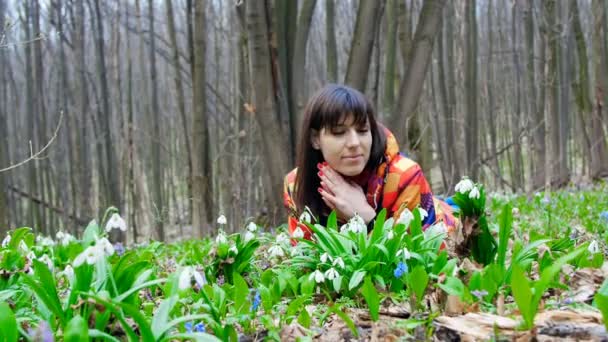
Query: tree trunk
{"type": "Point", "coordinates": [470, 67]}
{"type": "Point", "coordinates": [4, 158]}
{"type": "Point", "coordinates": [331, 46]}
{"type": "Point", "coordinates": [599, 150]}
{"type": "Point", "coordinates": [391, 53]}
{"type": "Point", "coordinates": [298, 84]}
{"type": "Point", "coordinates": [418, 61]}
{"type": "Point", "coordinates": [181, 101]}
{"type": "Point", "coordinates": [132, 195]}
{"type": "Point", "coordinates": [491, 124]}
{"type": "Point", "coordinates": [274, 145]}
{"type": "Point", "coordinates": [201, 163]}
{"type": "Point", "coordinates": [360, 57]}
{"type": "Point", "coordinates": [518, 172]}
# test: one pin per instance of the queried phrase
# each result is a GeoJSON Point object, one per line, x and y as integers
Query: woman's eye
{"type": "Point", "coordinates": [363, 130]}
{"type": "Point", "coordinates": [340, 132]}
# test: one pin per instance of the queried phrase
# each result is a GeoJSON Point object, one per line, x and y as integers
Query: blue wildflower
{"type": "Point", "coordinates": [257, 300]}
{"type": "Point", "coordinates": [188, 326]}
{"type": "Point", "coordinates": [400, 270]}
{"type": "Point", "coordinates": [479, 294]}
{"type": "Point", "coordinates": [42, 333]}
{"type": "Point", "coordinates": [200, 327]}
{"type": "Point", "coordinates": [604, 216]}
{"type": "Point", "coordinates": [119, 248]}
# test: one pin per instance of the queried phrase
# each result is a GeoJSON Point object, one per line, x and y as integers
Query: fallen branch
{"type": "Point", "coordinates": [35, 155]}
{"type": "Point", "coordinates": [47, 205]}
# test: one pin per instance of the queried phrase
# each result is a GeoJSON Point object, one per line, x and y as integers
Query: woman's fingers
{"type": "Point", "coordinates": [329, 198]}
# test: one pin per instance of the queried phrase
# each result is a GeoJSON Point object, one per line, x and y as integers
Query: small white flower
{"type": "Point", "coordinates": [67, 238]}
{"type": "Point", "coordinates": [30, 256]}
{"type": "Point", "coordinates": [515, 212]}
{"type": "Point", "coordinates": [406, 253]}
{"type": "Point", "coordinates": [344, 228]}
{"type": "Point", "coordinates": [405, 217]}
{"type": "Point", "coordinates": [105, 246]}
{"type": "Point", "coordinates": [423, 213]}
{"type": "Point", "coordinates": [338, 262]}
{"type": "Point", "coordinates": [185, 278]}
{"type": "Point", "coordinates": [116, 222]}
{"type": "Point", "coordinates": [464, 186]}
{"type": "Point", "coordinates": [318, 276]}
{"type": "Point", "coordinates": [23, 247]}
{"type": "Point", "coordinates": [59, 235]}
{"type": "Point", "coordinates": [221, 238]}
{"type": "Point", "coordinates": [390, 234]}
{"type": "Point", "coordinates": [331, 274]}
{"type": "Point", "coordinates": [357, 225]}
{"type": "Point", "coordinates": [199, 278]}
{"type": "Point", "coordinates": [234, 250]}
{"type": "Point", "coordinates": [305, 217]}
{"type": "Point", "coordinates": [282, 238]}
{"type": "Point", "coordinates": [6, 241]}
{"type": "Point", "coordinates": [69, 273]}
{"type": "Point", "coordinates": [46, 241]}
{"type": "Point", "coordinates": [593, 247]}
{"type": "Point", "coordinates": [222, 220]}
{"type": "Point", "coordinates": [474, 194]}
{"type": "Point", "coordinates": [324, 257]}
{"type": "Point", "coordinates": [298, 233]}
{"type": "Point", "coordinates": [45, 259]}
{"type": "Point", "coordinates": [90, 255]}
{"type": "Point", "coordinates": [252, 227]}
{"type": "Point", "coordinates": [276, 251]}
{"type": "Point", "coordinates": [249, 236]}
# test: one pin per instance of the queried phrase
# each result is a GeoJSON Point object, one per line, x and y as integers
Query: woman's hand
{"type": "Point", "coordinates": [345, 197]}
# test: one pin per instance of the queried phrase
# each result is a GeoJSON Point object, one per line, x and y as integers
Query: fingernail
{"type": "Point", "coordinates": [319, 166]}
{"type": "Point", "coordinates": [320, 173]}
{"type": "Point", "coordinates": [320, 190]}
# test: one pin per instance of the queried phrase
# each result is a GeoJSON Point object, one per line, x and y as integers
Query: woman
{"type": "Point", "coordinates": [349, 163]}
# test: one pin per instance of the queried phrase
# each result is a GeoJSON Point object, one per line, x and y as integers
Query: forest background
{"type": "Point", "coordinates": [177, 111]}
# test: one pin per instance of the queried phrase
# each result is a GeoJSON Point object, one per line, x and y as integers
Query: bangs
{"type": "Point", "coordinates": [336, 105]}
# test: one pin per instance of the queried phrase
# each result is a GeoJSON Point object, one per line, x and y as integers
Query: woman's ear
{"type": "Point", "coordinates": [314, 139]}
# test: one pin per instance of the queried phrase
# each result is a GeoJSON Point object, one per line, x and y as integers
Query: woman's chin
{"type": "Point", "coordinates": [350, 171]}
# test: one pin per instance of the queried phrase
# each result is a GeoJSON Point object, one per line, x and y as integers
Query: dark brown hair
{"type": "Point", "coordinates": [327, 108]}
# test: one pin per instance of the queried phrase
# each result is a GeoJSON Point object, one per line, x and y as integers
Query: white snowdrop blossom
{"type": "Point", "coordinates": [357, 225]}
{"type": "Point", "coordinates": [474, 194]}
{"type": "Point", "coordinates": [189, 273]}
{"type": "Point", "coordinates": [593, 247]}
{"type": "Point", "coordinates": [90, 255]}
{"type": "Point", "coordinates": [464, 186]}
{"type": "Point", "coordinates": [331, 274]}
{"type": "Point", "coordinates": [45, 241]}
{"type": "Point", "coordinates": [423, 213]}
{"type": "Point", "coordinates": [305, 217]}
{"type": "Point", "coordinates": [276, 251]}
{"type": "Point", "coordinates": [405, 217]}
{"type": "Point", "coordinates": [221, 238]}
{"type": "Point", "coordinates": [116, 222]}
{"type": "Point", "coordinates": [317, 276]}
{"type": "Point", "coordinates": [30, 256]}
{"type": "Point", "coordinates": [282, 238]}
{"type": "Point", "coordinates": [105, 246]}
{"type": "Point", "coordinates": [391, 234]}
{"type": "Point", "coordinates": [68, 271]}
{"type": "Point", "coordinates": [338, 262]}
{"type": "Point", "coordinates": [324, 257]}
{"type": "Point", "coordinates": [298, 233]}
{"type": "Point", "coordinates": [222, 220]}
{"type": "Point", "coordinates": [406, 253]}
{"type": "Point", "coordinates": [234, 250]}
{"type": "Point", "coordinates": [252, 227]}
{"type": "Point", "coordinates": [249, 236]}
{"type": "Point", "coordinates": [344, 228]}
{"type": "Point", "coordinates": [6, 241]}
{"type": "Point", "coordinates": [46, 260]}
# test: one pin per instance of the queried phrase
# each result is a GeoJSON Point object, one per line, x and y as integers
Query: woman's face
{"type": "Point", "coordinates": [346, 147]}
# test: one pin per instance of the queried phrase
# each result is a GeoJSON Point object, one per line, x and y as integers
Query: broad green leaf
{"type": "Point", "coordinates": [161, 317]}
{"type": "Point", "coordinates": [418, 279]}
{"type": "Point", "coordinates": [522, 292]}
{"type": "Point", "coordinates": [356, 279]}
{"type": "Point", "coordinates": [304, 318]}
{"type": "Point", "coordinates": [371, 297]}
{"type": "Point", "coordinates": [76, 330]}
{"type": "Point", "coordinates": [241, 294]}
{"type": "Point", "coordinates": [601, 301]}
{"type": "Point", "coordinates": [8, 324]}
{"type": "Point", "coordinates": [506, 226]}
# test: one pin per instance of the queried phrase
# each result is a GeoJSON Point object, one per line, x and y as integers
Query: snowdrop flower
{"type": "Point", "coordinates": [338, 262]}
{"type": "Point", "coordinates": [474, 194]}
{"type": "Point", "coordinates": [69, 273]}
{"type": "Point", "coordinates": [105, 246]}
{"type": "Point", "coordinates": [282, 238]}
{"type": "Point", "coordinates": [23, 247]}
{"type": "Point", "coordinates": [116, 222]}
{"type": "Point", "coordinates": [45, 241]}
{"type": "Point", "coordinates": [6, 241]}
{"type": "Point", "coordinates": [317, 276]}
{"type": "Point", "coordinates": [30, 256]}
{"type": "Point", "coordinates": [59, 235]}
{"type": "Point", "coordinates": [464, 186]}
{"type": "Point", "coordinates": [249, 236]}
{"type": "Point", "coordinates": [305, 217]}
{"type": "Point", "coordinates": [324, 257]}
{"type": "Point", "coordinates": [423, 213]}
{"type": "Point", "coordinates": [90, 255]}
{"type": "Point", "coordinates": [234, 250]}
{"type": "Point", "coordinates": [406, 253]}
{"type": "Point", "coordinates": [390, 234]}
{"type": "Point", "coordinates": [185, 278]}
{"type": "Point", "coordinates": [252, 227]}
{"type": "Point", "coordinates": [67, 238]}
{"type": "Point", "coordinates": [222, 220]}
{"type": "Point", "coordinates": [331, 274]}
{"type": "Point", "coordinates": [298, 233]}
{"type": "Point", "coordinates": [405, 218]}
{"type": "Point", "coordinates": [344, 228]}
{"type": "Point", "coordinates": [276, 251]}
{"type": "Point", "coordinates": [357, 225]}
{"type": "Point", "coordinates": [593, 247]}
{"type": "Point", "coordinates": [515, 212]}
{"type": "Point", "coordinates": [221, 238]}
{"type": "Point", "coordinates": [45, 259]}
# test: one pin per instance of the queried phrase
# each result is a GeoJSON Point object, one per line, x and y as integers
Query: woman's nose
{"type": "Point", "coordinates": [352, 139]}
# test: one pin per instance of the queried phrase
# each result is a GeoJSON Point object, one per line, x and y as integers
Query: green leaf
{"type": "Point", "coordinates": [332, 220]}
{"type": "Point", "coordinates": [161, 317]}
{"type": "Point", "coordinates": [76, 330]}
{"type": "Point", "coordinates": [601, 301]}
{"type": "Point", "coordinates": [417, 280]}
{"type": "Point", "coordinates": [197, 337]}
{"type": "Point", "coordinates": [241, 294]}
{"type": "Point", "coordinates": [522, 292]}
{"type": "Point", "coordinates": [356, 279]}
{"type": "Point", "coordinates": [96, 334]}
{"type": "Point", "coordinates": [304, 318]}
{"type": "Point", "coordinates": [91, 233]}
{"type": "Point", "coordinates": [454, 287]}
{"type": "Point", "coordinates": [296, 305]}
{"type": "Point", "coordinates": [8, 323]}
{"type": "Point", "coordinates": [349, 322]}
{"type": "Point", "coordinates": [506, 226]}
{"type": "Point", "coordinates": [371, 297]}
